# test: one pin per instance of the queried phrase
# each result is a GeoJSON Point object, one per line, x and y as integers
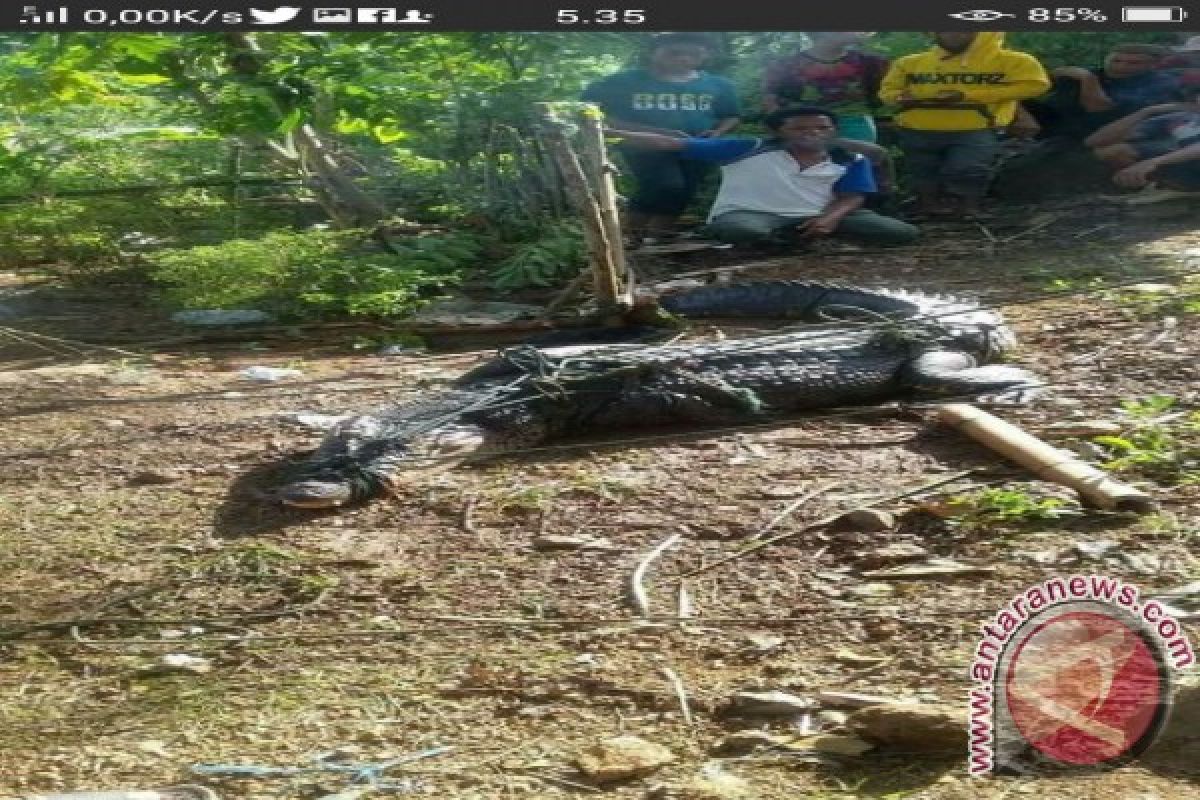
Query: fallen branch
{"type": "Point", "coordinates": [821, 523]}
{"type": "Point", "coordinates": [680, 693]}
{"type": "Point", "coordinates": [791, 507]}
{"type": "Point", "coordinates": [1046, 223]}
{"type": "Point", "coordinates": [637, 591]}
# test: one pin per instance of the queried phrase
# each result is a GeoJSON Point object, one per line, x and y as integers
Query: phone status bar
{"type": "Point", "coordinates": [558, 15]}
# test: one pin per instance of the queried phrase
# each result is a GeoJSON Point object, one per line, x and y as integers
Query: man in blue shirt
{"type": "Point", "coordinates": [1156, 148]}
{"type": "Point", "coordinates": [670, 96]}
{"type": "Point", "coordinates": [1085, 99]}
{"type": "Point", "coordinates": [788, 185]}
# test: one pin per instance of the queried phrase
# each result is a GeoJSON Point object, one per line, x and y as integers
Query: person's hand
{"type": "Point", "coordinates": [949, 96]}
{"type": "Point", "coordinates": [905, 99]}
{"type": "Point", "coordinates": [1024, 126]}
{"type": "Point", "coordinates": [1165, 108]}
{"type": "Point", "coordinates": [1136, 176]}
{"type": "Point", "coordinates": [1078, 73]}
{"type": "Point", "coordinates": [819, 226]}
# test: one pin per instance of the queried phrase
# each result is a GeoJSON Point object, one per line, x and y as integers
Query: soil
{"type": "Point", "coordinates": [135, 525]}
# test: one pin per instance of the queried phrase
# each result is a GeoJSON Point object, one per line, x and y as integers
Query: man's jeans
{"type": "Point", "coordinates": [960, 162]}
{"type": "Point", "coordinates": [742, 227]}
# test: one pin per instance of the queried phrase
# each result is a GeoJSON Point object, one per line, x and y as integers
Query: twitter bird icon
{"type": "Point", "coordinates": [276, 17]}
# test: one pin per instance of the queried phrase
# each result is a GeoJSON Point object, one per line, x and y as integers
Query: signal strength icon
{"type": "Point", "coordinates": [30, 15]}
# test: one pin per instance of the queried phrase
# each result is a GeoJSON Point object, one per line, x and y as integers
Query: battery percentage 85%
{"type": "Point", "coordinates": [1067, 15]}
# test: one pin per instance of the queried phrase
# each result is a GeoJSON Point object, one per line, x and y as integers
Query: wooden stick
{"type": "Point", "coordinates": [600, 177]}
{"type": "Point", "coordinates": [791, 507]}
{"type": "Point", "coordinates": [680, 693]}
{"type": "Point", "coordinates": [1044, 460]}
{"type": "Point", "coordinates": [600, 250]}
{"type": "Point", "coordinates": [637, 591]}
{"type": "Point", "coordinates": [467, 518]}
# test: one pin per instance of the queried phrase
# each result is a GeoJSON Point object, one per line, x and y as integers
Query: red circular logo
{"type": "Point", "coordinates": [1085, 688]}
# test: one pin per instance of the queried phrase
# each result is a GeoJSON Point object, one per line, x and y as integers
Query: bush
{"type": "Point", "coordinates": [313, 273]}
{"type": "Point", "coordinates": [557, 254]}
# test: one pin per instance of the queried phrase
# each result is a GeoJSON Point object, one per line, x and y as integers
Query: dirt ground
{"type": "Point", "coordinates": [133, 528]}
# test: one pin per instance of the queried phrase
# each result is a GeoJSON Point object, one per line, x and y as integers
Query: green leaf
{"type": "Point", "coordinates": [388, 133]}
{"type": "Point", "coordinates": [294, 119]}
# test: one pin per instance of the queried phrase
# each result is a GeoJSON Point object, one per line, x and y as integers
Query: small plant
{"type": "Point", "coordinates": [1000, 505]}
{"type": "Point", "coordinates": [1181, 301]}
{"type": "Point", "coordinates": [527, 498]}
{"type": "Point", "coordinates": [1160, 444]}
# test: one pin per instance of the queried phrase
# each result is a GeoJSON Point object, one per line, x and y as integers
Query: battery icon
{"type": "Point", "coordinates": [1153, 14]}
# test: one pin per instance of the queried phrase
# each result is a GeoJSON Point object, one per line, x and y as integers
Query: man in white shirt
{"type": "Point", "coordinates": [790, 184]}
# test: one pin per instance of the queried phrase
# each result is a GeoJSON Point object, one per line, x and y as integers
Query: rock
{"type": "Point", "coordinates": [1094, 550]}
{"type": "Point", "coordinates": [313, 421]}
{"type": "Point", "coordinates": [268, 374]}
{"type": "Point", "coordinates": [874, 589]}
{"type": "Point", "coordinates": [783, 492]}
{"type": "Point", "coordinates": [857, 660]}
{"type": "Point", "coordinates": [181, 792]}
{"type": "Point", "coordinates": [466, 312]}
{"type": "Point", "coordinates": [761, 643]}
{"type": "Point", "coordinates": [154, 747]}
{"type": "Point", "coordinates": [552, 542]}
{"type": "Point", "coordinates": [713, 783]}
{"type": "Point", "coordinates": [913, 727]}
{"type": "Point", "coordinates": [854, 700]}
{"type": "Point", "coordinates": [217, 317]}
{"type": "Point", "coordinates": [1084, 427]}
{"type": "Point", "coordinates": [768, 704]}
{"type": "Point", "coordinates": [399, 350]}
{"type": "Point", "coordinates": [622, 758]}
{"type": "Point", "coordinates": [832, 719]}
{"type": "Point", "coordinates": [154, 477]}
{"type": "Point", "coordinates": [838, 744]}
{"type": "Point", "coordinates": [744, 742]}
{"type": "Point", "coordinates": [898, 553]}
{"type": "Point", "coordinates": [867, 520]}
{"type": "Point", "coordinates": [932, 568]}
{"type": "Point", "coordinates": [180, 662]}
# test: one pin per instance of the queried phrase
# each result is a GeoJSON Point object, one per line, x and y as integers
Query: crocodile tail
{"type": "Point", "coordinates": [790, 299]}
{"type": "Point", "coordinates": [976, 329]}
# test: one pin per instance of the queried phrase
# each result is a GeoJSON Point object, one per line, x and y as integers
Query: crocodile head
{"type": "Point", "coordinates": [368, 456]}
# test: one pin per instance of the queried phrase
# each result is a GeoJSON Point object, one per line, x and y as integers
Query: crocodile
{"type": "Point", "coordinates": [858, 346]}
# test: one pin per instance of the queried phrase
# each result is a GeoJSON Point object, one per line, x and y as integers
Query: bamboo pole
{"type": "Point", "coordinates": [606, 265]}
{"type": "Point", "coordinates": [1044, 460]}
{"type": "Point", "coordinates": [600, 174]}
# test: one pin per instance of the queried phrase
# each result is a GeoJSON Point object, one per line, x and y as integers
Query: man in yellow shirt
{"type": "Point", "coordinates": [954, 99]}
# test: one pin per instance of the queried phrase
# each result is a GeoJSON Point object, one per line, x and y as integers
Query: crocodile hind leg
{"type": "Point", "coordinates": [944, 372]}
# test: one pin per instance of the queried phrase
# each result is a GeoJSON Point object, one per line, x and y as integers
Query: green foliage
{"type": "Point", "coordinates": [1007, 506]}
{"type": "Point", "coordinates": [557, 254]}
{"type": "Point", "coordinates": [1181, 301]}
{"type": "Point", "coordinates": [313, 273]}
{"type": "Point", "coordinates": [1161, 445]}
